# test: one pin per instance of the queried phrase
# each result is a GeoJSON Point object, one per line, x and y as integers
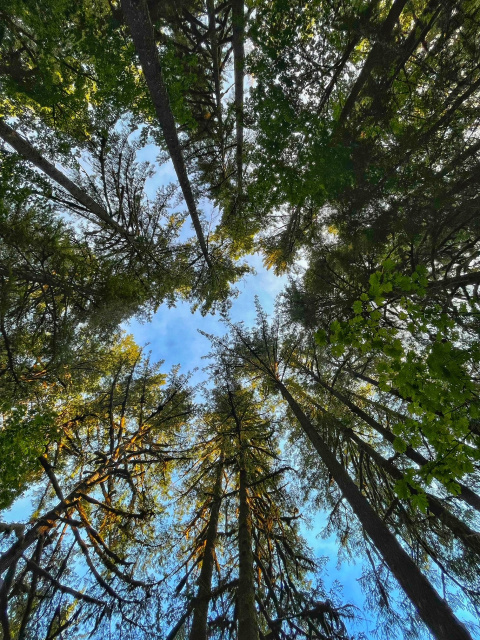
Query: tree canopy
{"type": "Point", "coordinates": [148, 149]}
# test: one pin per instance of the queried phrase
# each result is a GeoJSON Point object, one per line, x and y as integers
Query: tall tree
{"type": "Point", "coordinates": [261, 352]}
{"type": "Point", "coordinates": [106, 462]}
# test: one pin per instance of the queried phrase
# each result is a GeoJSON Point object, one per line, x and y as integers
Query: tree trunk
{"type": "Point", "coordinates": [25, 149]}
{"type": "Point", "coordinates": [462, 531]}
{"type": "Point", "coordinates": [374, 57]}
{"type": "Point", "coordinates": [434, 611]}
{"type": "Point", "coordinates": [48, 520]}
{"type": "Point", "coordinates": [202, 600]}
{"type": "Point", "coordinates": [247, 614]}
{"type": "Point", "coordinates": [346, 55]}
{"type": "Point", "coordinates": [466, 494]}
{"type": "Point", "coordinates": [238, 27]}
{"type": "Point", "coordinates": [138, 20]}
{"type": "Point", "coordinates": [212, 27]}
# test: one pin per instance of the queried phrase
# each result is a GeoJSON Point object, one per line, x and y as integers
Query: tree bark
{"type": "Point", "coordinates": [48, 520]}
{"type": "Point", "coordinates": [462, 531]}
{"type": "Point", "coordinates": [374, 57]}
{"type": "Point", "coordinates": [466, 494]}
{"type": "Point", "coordinates": [138, 20]}
{"type": "Point", "coordinates": [434, 611]}
{"type": "Point", "coordinates": [28, 151]}
{"type": "Point", "coordinates": [212, 27]}
{"type": "Point", "coordinates": [202, 600]}
{"type": "Point", "coordinates": [238, 30]}
{"type": "Point", "coordinates": [247, 614]}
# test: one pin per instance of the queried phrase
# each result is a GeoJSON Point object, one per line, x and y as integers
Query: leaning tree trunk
{"type": "Point", "coordinates": [28, 151]}
{"type": "Point", "coordinates": [48, 520]}
{"type": "Point", "coordinates": [466, 494]}
{"type": "Point", "coordinates": [138, 20]}
{"type": "Point", "coordinates": [200, 614]}
{"type": "Point", "coordinates": [468, 537]}
{"type": "Point", "coordinates": [374, 57]}
{"type": "Point", "coordinates": [434, 611]}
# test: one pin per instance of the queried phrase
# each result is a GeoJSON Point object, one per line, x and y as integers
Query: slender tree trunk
{"type": "Point", "coordinates": [28, 151]}
{"type": "Point", "coordinates": [416, 37]}
{"type": "Point", "coordinates": [434, 611]}
{"type": "Point", "coordinates": [138, 20]}
{"type": "Point", "coordinates": [202, 600]}
{"type": "Point", "coordinates": [238, 26]}
{"type": "Point", "coordinates": [466, 494]}
{"type": "Point", "coordinates": [212, 27]}
{"type": "Point", "coordinates": [374, 57]}
{"type": "Point", "coordinates": [462, 531]}
{"type": "Point", "coordinates": [47, 521]}
{"type": "Point", "coordinates": [346, 56]}
{"type": "Point", "coordinates": [32, 592]}
{"type": "Point", "coordinates": [247, 615]}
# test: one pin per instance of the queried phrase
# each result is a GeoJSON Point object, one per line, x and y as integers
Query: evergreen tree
{"type": "Point", "coordinates": [339, 140]}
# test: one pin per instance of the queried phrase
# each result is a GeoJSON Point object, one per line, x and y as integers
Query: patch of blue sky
{"type": "Point", "coordinates": [172, 334]}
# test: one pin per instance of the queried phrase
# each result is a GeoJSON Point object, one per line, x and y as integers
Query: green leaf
{"type": "Point", "coordinates": [399, 445]}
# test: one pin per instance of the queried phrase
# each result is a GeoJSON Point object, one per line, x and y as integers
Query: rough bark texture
{"type": "Point", "coordinates": [247, 615]}
{"type": "Point", "coordinates": [434, 611]}
{"type": "Point", "coordinates": [138, 20]}
{"type": "Point", "coordinates": [200, 614]}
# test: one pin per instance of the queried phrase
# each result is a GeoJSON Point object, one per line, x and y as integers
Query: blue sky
{"type": "Point", "coordinates": [172, 335]}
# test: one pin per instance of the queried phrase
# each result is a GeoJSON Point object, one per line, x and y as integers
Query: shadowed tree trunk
{"type": "Point", "coordinates": [466, 494]}
{"type": "Point", "coordinates": [247, 615]}
{"type": "Point", "coordinates": [28, 151]}
{"type": "Point", "coordinates": [200, 614]}
{"type": "Point", "coordinates": [138, 20]}
{"type": "Point", "coordinates": [238, 22]}
{"type": "Point", "coordinates": [434, 611]}
{"type": "Point", "coordinates": [212, 27]}
{"type": "Point", "coordinates": [462, 531]}
{"type": "Point", "coordinates": [374, 57]}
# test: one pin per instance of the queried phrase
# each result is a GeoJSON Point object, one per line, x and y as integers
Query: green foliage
{"type": "Point", "coordinates": [353, 167]}
{"type": "Point", "coordinates": [422, 358]}
{"type": "Point", "coordinates": [25, 435]}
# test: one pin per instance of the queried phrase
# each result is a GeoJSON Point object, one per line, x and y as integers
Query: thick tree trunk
{"type": "Point", "coordinates": [238, 26]}
{"type": "Point", "coordinates": [202, 600]}
{"type": "Point", "coordinates": [466, 494]}
{"type": "Point", "coordinates": [28, 151]}
{"type": "Point", "coordinates": [374, 57]}
{"type": "Point", "coordinates": [138, 20]}
{"type": "Point", "coordinates": [247, 615]}
{"type": "Point", "coordinates": [434, 611]}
